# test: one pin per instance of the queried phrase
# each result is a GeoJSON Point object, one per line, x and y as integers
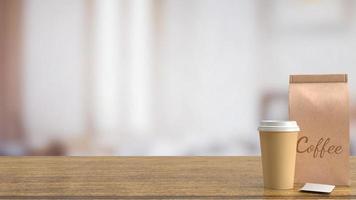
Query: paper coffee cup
{"type": "Point", "coordinates": [278, 141]}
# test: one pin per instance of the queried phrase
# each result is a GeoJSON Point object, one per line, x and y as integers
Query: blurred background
{"type": "Point", "coordinates": [160, 77]}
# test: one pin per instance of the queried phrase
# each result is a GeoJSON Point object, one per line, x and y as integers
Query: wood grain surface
{"type": "Point", "coordinates": [145, 178]}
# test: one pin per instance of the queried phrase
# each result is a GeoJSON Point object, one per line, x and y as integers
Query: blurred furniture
{"type": "Point", "coordinates": [145, 178]}
{"type": "Point", "coordinates": [11, 127]}
{"type": "Point", "coordinates": [273, 105]}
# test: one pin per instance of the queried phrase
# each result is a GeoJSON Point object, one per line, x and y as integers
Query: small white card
{"type": "Point", "coordinates": [314, 187]}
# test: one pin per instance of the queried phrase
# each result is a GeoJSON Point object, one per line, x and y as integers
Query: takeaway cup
{"type": "Point", "coordinates": [278, 140]}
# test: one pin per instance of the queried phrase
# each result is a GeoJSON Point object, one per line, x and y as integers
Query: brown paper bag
{"type": "Point", "coordinates": [320, 105]}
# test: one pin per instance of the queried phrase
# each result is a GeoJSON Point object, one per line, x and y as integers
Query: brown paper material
{"type": "Point", "coordinates": [320, 105]}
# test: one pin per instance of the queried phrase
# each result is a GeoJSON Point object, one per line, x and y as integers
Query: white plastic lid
{"type": "Point", "coordinates": [278, 126]}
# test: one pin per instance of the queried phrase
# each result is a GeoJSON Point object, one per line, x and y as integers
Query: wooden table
{"type": "Point", "coordinates": [144, 178]}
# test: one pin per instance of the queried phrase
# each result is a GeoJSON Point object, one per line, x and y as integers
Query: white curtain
{"type": "Point", "coordinates": [141, 77]}
{"type": "Point", "coordinates": [171, 77]}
